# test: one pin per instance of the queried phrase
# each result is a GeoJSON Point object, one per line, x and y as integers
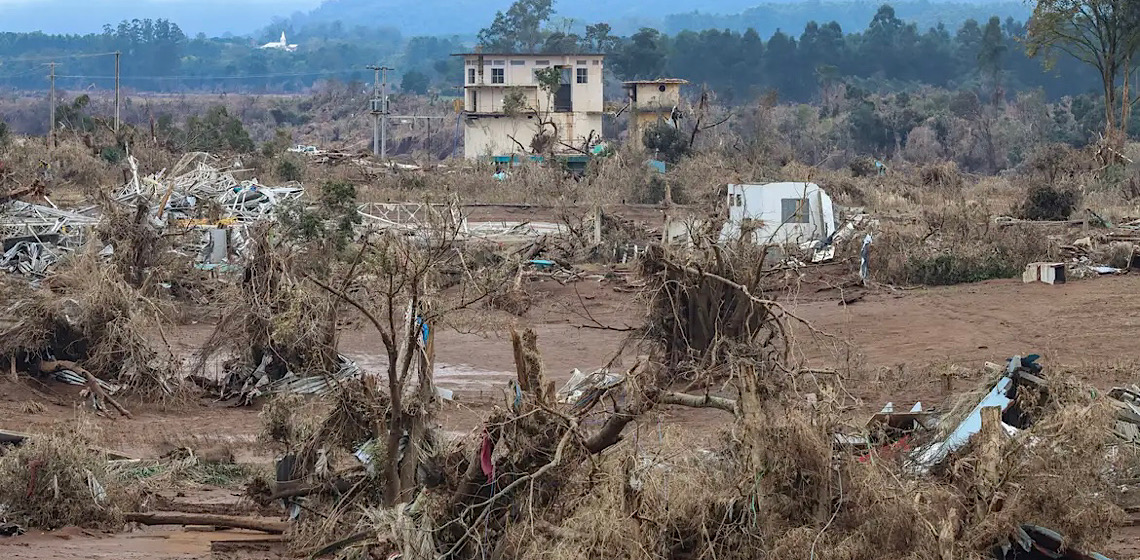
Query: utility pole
{"type": "Point", "coordinates": [380, 111]}
{"type": "Point", "coordinates": [117, 55]}
{"type": "Point", "coordinates": [51, 112]}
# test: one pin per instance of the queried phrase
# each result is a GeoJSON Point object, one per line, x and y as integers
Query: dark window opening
{"type": "Point", "coordinates": [794, 210]}
{"type": "Point", "coordinates": [563, 101]}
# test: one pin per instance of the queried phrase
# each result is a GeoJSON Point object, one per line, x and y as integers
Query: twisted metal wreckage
{"type": "Point", "coordinates": [37, 236]}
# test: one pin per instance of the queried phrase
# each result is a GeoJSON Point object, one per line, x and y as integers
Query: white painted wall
{"type": "Point", "coordinates": [764, 203]}
{"type": "Point", "coordinates": [585, 97]}
{"type": "Point", "coordinates": [491, 135]}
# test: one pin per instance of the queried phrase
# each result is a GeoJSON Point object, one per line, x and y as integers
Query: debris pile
{"type": "Point", "coordinates": [59, 480]}
{"type": "Point", "coordinates": [196, 186]}
{"type": "Point", "coordinates": [36, 237]}
{"type": "Point", "coordinates": [87, 325]}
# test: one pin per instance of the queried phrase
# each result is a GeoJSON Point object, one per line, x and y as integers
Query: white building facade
{"type": "Point", "coordinates": [505, 106]}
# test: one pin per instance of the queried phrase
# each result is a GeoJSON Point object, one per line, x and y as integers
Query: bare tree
{"type": "Point", "coordinates": [396, 281]}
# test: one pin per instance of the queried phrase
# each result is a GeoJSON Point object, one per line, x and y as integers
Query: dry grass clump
{"type": "Point", "coordinates": [943, 176]}
{"type": "Point", "coordinates": [954, 244]}
{"type": "Point", "coordinates": [517, 301]}
{"type": "Point", "coordinates": [291, 419]}
{"type": "Point", "coordinates": [59, 479]}
{"type": "Point", "coordinates": [88, 314]}
{"type": "Point", "coordinates": [66, 171]}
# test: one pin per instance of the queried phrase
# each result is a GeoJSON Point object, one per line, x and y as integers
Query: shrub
{"type": "Point", "coordinates": [955, 245]}
{"type": "Point", "coordinates": [112, 154]}
{"type": "Point", "coordinates": [667, 141]}
{"type": "Point", "coordinates": [289, 169]}
{"type": "Point", "coordinates": [218, 131]}
{"type": "Point", "coordinates": [949, 268]}
{"type": "Point", "coordinates": [1048, 202]}
{"type": "Point", "coordinates": [862, 167]}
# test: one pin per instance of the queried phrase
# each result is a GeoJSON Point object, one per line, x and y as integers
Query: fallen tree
{"type": "Point", "coordinates": [271, 526]}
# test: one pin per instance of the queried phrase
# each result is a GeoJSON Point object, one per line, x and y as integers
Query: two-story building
{"type": "Point", "coordinates": [504, 102]}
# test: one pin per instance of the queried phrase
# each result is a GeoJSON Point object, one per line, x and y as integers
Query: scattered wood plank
{"type": "Point", "coordinates": [12, 438]}
{"type": "Point", "coordinates": [241, 545]}
{"type": "Point", "coordinates": [264, 525]}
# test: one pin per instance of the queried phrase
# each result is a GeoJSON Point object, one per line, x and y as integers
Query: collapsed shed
{"type": "Point", "coordinates": [778, 213]}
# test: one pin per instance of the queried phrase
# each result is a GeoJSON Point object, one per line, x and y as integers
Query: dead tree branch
{"type": "Point", "coordinates": [92, 382]}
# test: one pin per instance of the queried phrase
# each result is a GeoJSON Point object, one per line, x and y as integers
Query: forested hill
{"type": "Point", "coordinates": [465, 17]}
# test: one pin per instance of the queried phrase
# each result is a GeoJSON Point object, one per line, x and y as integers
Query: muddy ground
{"type": "Point", "coordinates": [890, 345]}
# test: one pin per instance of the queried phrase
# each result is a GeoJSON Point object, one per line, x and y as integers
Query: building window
{"type": "Point", "coordinates": [583, 75]}
{"type": "Point", "coordinates": [470, 75]}
{"type": "Point", "coordinates": [518, 63]}
{"type": "Point", "coordinates": [542, 63]}
{"type": "Point", "coordinates": [794, 210]}
{"type": "Point", "coordinates": [499, 63]}
{"type": "Point", "coordinates": [581, 63]}
{"type": "Point", "coordinates": [498, 76]}
{"type": "Point", "coordinates": [597, 62]}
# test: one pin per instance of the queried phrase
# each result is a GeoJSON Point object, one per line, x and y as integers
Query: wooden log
{"type": "Point", "coordinates": [272, 526]}
{"type": "Point", "coordinates": [340, 485]}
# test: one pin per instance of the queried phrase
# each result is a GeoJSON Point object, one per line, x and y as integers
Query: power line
{"type": "Point", "coordinates": [29, 72]}
{"type": "Point", "coordinates": [236, 77]}
{"type": "Point", "coordinates": [56, 57]}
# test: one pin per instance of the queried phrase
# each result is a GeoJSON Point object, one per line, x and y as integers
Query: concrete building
{"type": "Point", "coordinates": [504, 104]}
{"type": "Point", "coordinates": [651, 101]}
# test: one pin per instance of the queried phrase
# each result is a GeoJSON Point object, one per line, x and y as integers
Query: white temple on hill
{"type": "Point", "coordinates": [280, 45]}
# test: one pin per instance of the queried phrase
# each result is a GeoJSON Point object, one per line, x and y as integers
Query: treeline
{"type": "Point", "coordinates": [768, 18]}
{"type": "Point", "coordinates": [158, 56]}
{"type": "Point", "coordinates": [888, 55]}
